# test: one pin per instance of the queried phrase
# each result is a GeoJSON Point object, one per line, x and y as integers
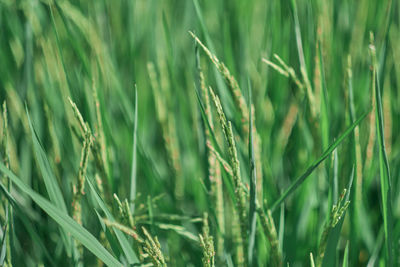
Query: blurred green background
{"type": "Point", "coordinates": [52, 50]}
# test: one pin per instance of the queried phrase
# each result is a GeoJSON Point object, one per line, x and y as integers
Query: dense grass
{"type": "Point", "coordinates": [199, 133]}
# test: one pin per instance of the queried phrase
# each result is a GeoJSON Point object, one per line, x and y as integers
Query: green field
{"type": "Point", "coordinates": [199, 133]}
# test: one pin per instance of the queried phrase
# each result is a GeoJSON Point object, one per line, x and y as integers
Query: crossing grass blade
{"type": "Point", "coordinates": [50, 180]}
{"type": "Point", "coordinates": [27, 224]}
{"type": "Point", "coordinates": [296, 183]}
{"type": "Point", "coordinates": [65, 222]}
{"type": "Point", "coordinates": [123, 241]}
{"type": "Point", "coordinates": [110, 238]}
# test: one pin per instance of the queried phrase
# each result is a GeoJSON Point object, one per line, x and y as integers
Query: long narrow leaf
{"type": "Point", "coordinates": [134, 149]}
{"type": "Point", "coordinates": [111, 239]}
{"type": "Point", "coordinates": [324, 118]}
{"type": "Point", "coordinates": [296, 183]}
{"type": "Point", "coordinates": [3, 245]}
{"type": "Point", "coordinates": [228, 182]}
{"type": "Point", "coordinates": [23, 217]}
{"type": "Point", "coordinates": [221, 85]}
{"type": "Point", "coordinates": [334, 235]}
{"type": "Point", "coordinates": [346, 256]}
{"type": "Point", "coordinates": [123, 241]}
{"type": "Point", "coordinates": [386, 187]}
{"type": "Point", "coordinates": [207, 124]}
{"type": "Point", "coordinates": [253, 191]}
{"type": "Point", "coordinates": [50, 180]}
{"type": "Point", "coordinates": [66, 222]}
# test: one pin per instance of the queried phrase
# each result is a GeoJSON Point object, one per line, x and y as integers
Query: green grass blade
{"type": "Point", "coordinates": [66, 222]}
{"type": "Point", "coordinates": [253, 182]}
{"type": "Point", "coordinates": [312, 263]}
{"type": "Point", "coordinates": [227, 181]}
{"type": "Point", "coordinates": [377, 247]}
{"type": "Point", "coordinates": [335, 180]}
{"type": "Point", "coordinates": [207, 123]}
{"type": "Point", "coordinates": [298, 34]}
{"type": "Point", "coordinates": [303, 67]}
{"type": "Point", "coordinates": [59, 49]}
{"type": "Point", "coordinates": [134, 159]}
{"type": "Point", "coordinates": [329, 259]}
{"type": "Point", "coordinates": [123, 241]}
{"type": "Point", "coordinates": [324, 118]}
{"type": "Point", "coordinates": [386, 186]}
{"type": "Point", "coordinates": [110, 238]}
{"type": "Point", "coordinates": [295, 184]}
{"type": "Point", "coordinates": [201, 104]}
{"type": "Point", "coordinates": [281, 230]}
{"type": "Point", "coordinates": [179, 230]}
{"type": "Point", "coordinates": [358, 218]}
{"type": "Point", "coordinates": [3, 245]}
{"type": "Point", "coordinates": [220, 82]}
{"type": "Point", "coordinates": [20, 213]}
{"type": "Point", "coordinates": [253, 191]}
{"type": "Point", "coordinates": [346, 255]}
{"type": "Point", "coordinates": [49, 179]}
{"type": "Point", "coordinates": [203, 25]}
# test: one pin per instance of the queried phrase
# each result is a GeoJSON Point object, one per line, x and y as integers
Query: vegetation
{"type": "Point", "coordinates": [199, 133]}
